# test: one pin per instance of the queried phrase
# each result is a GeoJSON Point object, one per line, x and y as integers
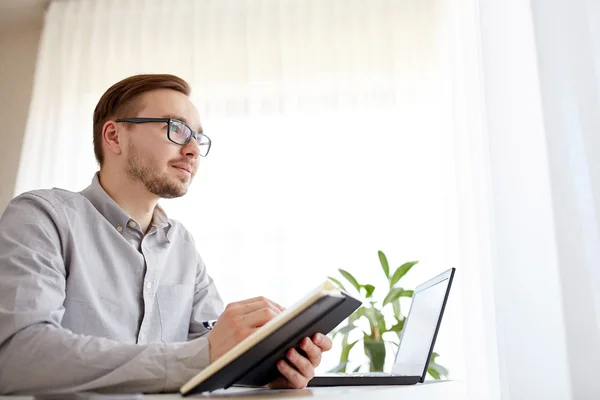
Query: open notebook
{"type": "Point", "coordinates": [253, 360]}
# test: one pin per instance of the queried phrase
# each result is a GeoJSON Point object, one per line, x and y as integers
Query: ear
{"type": "Point", "coordinates": [111, 136]}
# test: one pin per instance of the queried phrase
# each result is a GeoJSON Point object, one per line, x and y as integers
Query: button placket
{"type": "Point", "coordinates": [148, 290]}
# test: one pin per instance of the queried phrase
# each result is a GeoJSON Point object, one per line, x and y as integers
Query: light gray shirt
{"type": "Point", "coordinates": [88, 302]}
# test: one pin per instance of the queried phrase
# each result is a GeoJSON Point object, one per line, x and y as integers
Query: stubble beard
{"type": "Point", "coordinates": [141, 170]}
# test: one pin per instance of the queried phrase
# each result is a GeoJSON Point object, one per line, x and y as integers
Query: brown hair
{"type": "Point", "coordinates": [121, 101]}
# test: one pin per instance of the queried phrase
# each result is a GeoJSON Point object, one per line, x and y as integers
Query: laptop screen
{"type": "Point", "coordinates": [421, 326]}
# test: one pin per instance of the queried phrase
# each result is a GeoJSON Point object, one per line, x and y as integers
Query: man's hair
{"type": "Point", "coordinates": [121, 100]}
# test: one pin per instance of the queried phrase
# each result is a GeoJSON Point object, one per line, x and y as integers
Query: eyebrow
{"type": "Point", "coordinates": [180, 118]}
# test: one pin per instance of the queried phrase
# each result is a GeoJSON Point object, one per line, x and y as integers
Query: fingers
{"type": "Point", "coordinates": [251, 304]}
{"type": "Point", "coordinates": [259, 304]}
{"type": "Point", "coordinates": [293, 377]}
{"type": "Point", "coordinates": [324, 342]}
{"type": "Point", "coordinates": [304, 371]}
{"type": "Point", "coordinates": [238, 321]}
{"type": "Point", "coordinates": [303, 367]}
{"type": "Point", "coordinates": [280, 382]}
{"type": "Point", "coordinates": [242, 308]}
{"type": "Point", "coordinates": [251, 313]}
{"type": "Point", "coordinates": [312, 351]}
{"type": "Point", "coordinates": [258, 317]}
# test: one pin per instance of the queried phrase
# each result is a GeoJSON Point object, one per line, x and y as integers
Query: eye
{"type": "Point", "coordinates": [179, 129]}
{"type": "Point", "coordinates": [176, 128]}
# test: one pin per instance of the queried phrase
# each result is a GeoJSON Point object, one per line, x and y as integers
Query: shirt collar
{"type": "Point", "coordinates": [117, 217]}
{"type": "Point", "coordinates": [159, 218]}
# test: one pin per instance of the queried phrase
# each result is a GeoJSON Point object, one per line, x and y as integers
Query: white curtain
{"type": "Point", "coordinates": [331, 123]}
{"type": "Point", "coordinates": [343, 127]}
{"type": "Point", "coordinates": [426, 129]}
{"type": "Point", "coordinates": [528, 117]}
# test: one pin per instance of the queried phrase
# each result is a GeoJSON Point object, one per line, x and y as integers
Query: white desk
{"type": "Point", "coordinates": [430, 390]}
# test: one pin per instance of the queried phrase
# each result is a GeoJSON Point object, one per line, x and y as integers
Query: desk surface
{"type": "Point", "coordinates": [430, 390]}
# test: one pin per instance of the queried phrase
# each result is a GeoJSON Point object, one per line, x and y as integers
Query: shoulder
{"type": "Point", "coordinates": [40, 199]}
{"type": "Point", "coordinates": [35, 214]}
{"type": "Point", "coordinates": [44, 204]}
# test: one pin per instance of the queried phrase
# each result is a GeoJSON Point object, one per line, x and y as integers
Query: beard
{"type": "Point", "coordinates": [144, 170]}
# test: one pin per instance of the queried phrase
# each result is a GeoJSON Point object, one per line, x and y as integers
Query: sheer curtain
{"type": "Point", "coordinates": [333, 127]}
{"type": "Point", "coordinates": [425, 129]}
{"type": "Point", "coordinates": [331, 122]}
{"type": "Point", "coordinates": [529, 132]}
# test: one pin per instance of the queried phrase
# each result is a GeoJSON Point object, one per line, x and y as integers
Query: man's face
{"type": "Point", "coordinates": [166, 169]}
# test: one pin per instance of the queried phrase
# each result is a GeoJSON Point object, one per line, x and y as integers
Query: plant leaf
{"type": "Point", "coordinates": [342, 328]}
{"type": "Point", "coordinates": [434, 374]}
{"type": "Point", "coordinates": [357, 368]}
{"type": "Point", "coordinates": [374, 316]}
{"type": "Point", "coordinates": [346, 347]}
{"type": "Point", "coordinates": [376, 323]}
{"type": "Point", "coordinates": [396, 307]}
{"type": "Point", "coordinates": [347, 329]}
{"type": "Point", "coordinates": [401, 271]}
{"type": "Point", "coordinates": [439, 370]}
{"type": "Point", "coordinates": [384, 264]}
{"type": "Point", "coordinates": [337, 283]}
{"type": "Point", "coordinates": [357, 314]}
{"type": "Point", "coordinates": [375, 350]}
{"type": "Point", "coordinates": [350, 279]}
{"type": "Point", "coordinates": [396, 293]}
{"type": "Point", "coordinates": [369, 289]}
{"type": "Point", "coordinates": [398, 326]}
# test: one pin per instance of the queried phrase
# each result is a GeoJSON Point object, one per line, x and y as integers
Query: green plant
{"type": "Point", "coordinates": [373, 311]}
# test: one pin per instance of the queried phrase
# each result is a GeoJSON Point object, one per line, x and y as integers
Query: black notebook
{"type": "Point", "coordinates": [253, 361]}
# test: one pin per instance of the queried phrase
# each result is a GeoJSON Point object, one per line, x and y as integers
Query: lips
{"type": "Point", "coordinates": [186, 168]}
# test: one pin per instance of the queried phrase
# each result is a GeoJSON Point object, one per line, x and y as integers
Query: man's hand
{"type": "Point", "coordinates": [238, 321]}
{"type": "Point", "coordinates": [302, 370]}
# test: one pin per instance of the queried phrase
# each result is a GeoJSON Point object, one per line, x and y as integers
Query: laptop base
{"type": "Point", "coordinates": [349, 380]}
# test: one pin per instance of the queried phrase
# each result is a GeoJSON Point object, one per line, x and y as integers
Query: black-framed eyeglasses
{"type": "Point", "coordinates": [178, 132]}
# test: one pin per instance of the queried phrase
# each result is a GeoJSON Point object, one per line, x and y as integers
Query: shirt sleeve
{"type": "Point", "coordinates": [36, 353]}
{"type": "Point", "coordinates": [208, 305]}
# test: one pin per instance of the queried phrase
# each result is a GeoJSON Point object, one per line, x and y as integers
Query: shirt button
{"type": "Point", "coordinates": [132, 224]}
{"type": "Point", "coordinates": [119, 228]}
{"type": "Point", "coordinates": [148, 285]}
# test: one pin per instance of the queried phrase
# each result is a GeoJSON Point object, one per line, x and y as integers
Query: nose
{"type": "Point", "coordinates": [191, 149]}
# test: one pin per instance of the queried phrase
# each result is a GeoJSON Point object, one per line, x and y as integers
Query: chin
{"type": "Point", "coordinates": [183, 183]}
{"type": "Point", "coordinates": [173, 193]}
{"type": "Point", "coordinates": [182, 186]}
{"type": "Point", "coordinates": [169, 187]}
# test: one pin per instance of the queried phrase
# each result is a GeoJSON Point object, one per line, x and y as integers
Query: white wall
{"type": "Point", "coordinates": [18, 51]}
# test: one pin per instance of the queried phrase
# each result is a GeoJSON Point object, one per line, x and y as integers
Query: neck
{"type": "Point", "coordinates": [132, 196]}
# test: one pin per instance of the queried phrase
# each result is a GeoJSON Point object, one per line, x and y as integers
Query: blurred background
{"type": "Point", "coordinates": [457, 133]}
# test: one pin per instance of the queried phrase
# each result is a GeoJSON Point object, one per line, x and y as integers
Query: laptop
{"type": "Point", "coordinates": [416, 343]}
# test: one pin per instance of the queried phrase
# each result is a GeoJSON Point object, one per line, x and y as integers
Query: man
{"type": "Point", "coordinates": [100, 290]}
